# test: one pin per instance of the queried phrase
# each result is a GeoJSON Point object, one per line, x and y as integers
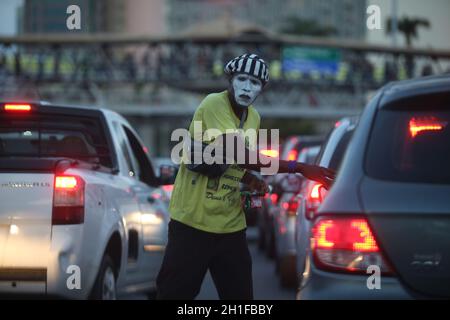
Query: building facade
{"type": "Point", "coordinates": [347, 17]}
{"type": "Point", "coordinates": [49, 16]}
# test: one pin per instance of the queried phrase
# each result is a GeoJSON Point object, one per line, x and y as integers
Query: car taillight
{"type": "Point", "coordinates": [291, 206]}
{"type": "Point", "coordinates": [17, 107]}
{"type": "Point", "coordinates": [316, 195]}
{"type": "Point", "coordinates": [274, 198]}
{"type": "Point", "coordinates": [269, 153]}
{"type": "Point", "coordinates": [346, 244]}
{"type": "Point", "coordinates": [292, 155]}
{"type": "Point", "coordinates": [68, 200]}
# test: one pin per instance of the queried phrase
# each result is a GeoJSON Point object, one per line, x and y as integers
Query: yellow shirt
{"type": "Point", "coordinates": [213, 204]}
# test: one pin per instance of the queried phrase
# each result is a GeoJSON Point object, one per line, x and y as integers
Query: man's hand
{"type": "Point", "coordinates": [255, 183]}
{"type": "Point", "coordinates": [320, 174]}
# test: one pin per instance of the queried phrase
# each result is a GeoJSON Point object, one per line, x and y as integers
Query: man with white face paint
{"type": "Point", "coordinates": [246, 89]}
{"type": "Point", "coordinates": [207, 227]}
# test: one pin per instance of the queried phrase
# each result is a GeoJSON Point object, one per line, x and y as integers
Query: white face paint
{"type": "Point", "coordinates": [246, 89]}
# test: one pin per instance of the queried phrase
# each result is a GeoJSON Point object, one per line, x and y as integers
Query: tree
{"type": "Point", "coordinates": [408, 27]}
{"type": "Point", "coordinates": [303, 27]}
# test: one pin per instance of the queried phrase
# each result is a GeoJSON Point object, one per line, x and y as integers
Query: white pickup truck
{"type": "Point", "coordinates": [77, 215]}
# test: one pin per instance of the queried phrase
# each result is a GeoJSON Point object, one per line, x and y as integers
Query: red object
{"type": "Point", "coordinates": [269, 153]}
{"type": "Point", "coordinates": [346, 244]}
{"type": "Point", "coordinates": [345, 234]}
{"type": "Point", "coordinates": [315, 192]}
{"type": "Point", "coordinates": [168, 187]}
{"type": "Point", "coordinates": [68, 200]}
{"type": "Point", "coordinates": [274, 198]}
{"type": "Point", "coordinates": [418, 125]}
{"type": "Point", "coordinates": [17, 107]}
{"type": "Point", "coordinates": [291, 206]}
{"type": "Point", "coordinates": [65, 182]}
{"type": "Point", "coordinates": [292, 155]}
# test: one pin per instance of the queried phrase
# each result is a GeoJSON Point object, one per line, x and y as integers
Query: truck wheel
{"type": "Point", "coordinates": [105, 284]}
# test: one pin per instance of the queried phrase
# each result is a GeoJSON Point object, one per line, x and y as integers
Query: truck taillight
{"type": "Point", "coordinates": [68, 200]}
{"type": "Point", "coordinates": [346, 244]}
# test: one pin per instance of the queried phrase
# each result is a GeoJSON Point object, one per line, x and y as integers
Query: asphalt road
{"type": "Point", "coordinates": [266, 285]}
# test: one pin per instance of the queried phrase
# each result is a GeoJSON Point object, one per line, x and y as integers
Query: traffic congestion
{"type": "Point", "coordinates": [173, 158]}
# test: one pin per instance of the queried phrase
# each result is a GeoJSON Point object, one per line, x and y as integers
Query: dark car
{"type": "Point", "coordinates": [383, 230]}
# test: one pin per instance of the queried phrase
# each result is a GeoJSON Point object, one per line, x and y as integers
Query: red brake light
{"type": "Point", "coordinates": [315, 192]}
{"type": "Point", "coordinates": [418, 125]}
{"type": "Point", "coordinates": [291, 206]}
{"type": "Point", "coordinates": [65, 182]}
{"type": "Point", "coordinates": [346, 244]}
{"type": "Point", "coordinates": [68, 200]}
{"type": "Point", "coordinates": [17, 107]}
{"type": "Point", "coordinates": [168, 187]}
{"type": "Point", "coordinates": [274, 198]}
{"type": "Point", "coordinates": [292, 155]}
{"type": "Point", "coordinates": [269, 153]}
{"type": "Point", "coordinates": [345, 234]}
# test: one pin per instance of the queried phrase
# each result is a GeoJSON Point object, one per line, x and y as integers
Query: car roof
{"type": "Point", "coordinates": [415, 87]}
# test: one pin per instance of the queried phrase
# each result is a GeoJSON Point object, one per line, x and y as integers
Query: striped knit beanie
{"type": "Point", "coordinates": [250, 64]}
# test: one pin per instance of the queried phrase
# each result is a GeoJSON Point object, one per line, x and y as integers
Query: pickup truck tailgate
{"type": "Point", "coordinates": [26, 201]}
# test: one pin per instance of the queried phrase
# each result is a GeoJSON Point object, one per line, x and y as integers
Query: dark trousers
{"type": "Point", "coordinates": [190, 253]}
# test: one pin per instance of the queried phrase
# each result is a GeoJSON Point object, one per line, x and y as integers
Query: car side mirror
{"type": "Point", "coordinates": [167, 174]}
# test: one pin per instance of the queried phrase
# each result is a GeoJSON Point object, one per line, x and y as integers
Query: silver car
{"type": "Point", "coordinates": [313, 193]}
{"type": "Point", "coordinates": [383, 230]}
{"type": "Point", "coordinates": [284, 221]}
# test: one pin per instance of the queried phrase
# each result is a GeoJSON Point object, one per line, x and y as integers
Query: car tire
{"type": "Point", "coordinates": [105, 283]}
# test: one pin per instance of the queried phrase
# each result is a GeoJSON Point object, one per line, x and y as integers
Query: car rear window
{"type": "Point", "coordinates": [54, 136]}
{"type": "Point", "coordinates": [410, 146]}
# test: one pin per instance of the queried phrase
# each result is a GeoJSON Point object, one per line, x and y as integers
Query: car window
{"type": "Point", "coordinates": [54, 136]}
{"type": "Point", "coordinates": [339, 152]}
{"type": "Point", "coordinates": [124, 149]}
{"type": "Point", "coordinates": [145, 172]}
{"type": "Point", "coordinates": [410, 146]}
